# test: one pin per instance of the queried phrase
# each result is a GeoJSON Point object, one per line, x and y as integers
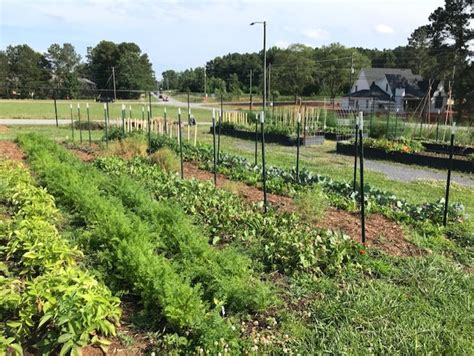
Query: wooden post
{"type": "Point", "coordinates": [195, 134]}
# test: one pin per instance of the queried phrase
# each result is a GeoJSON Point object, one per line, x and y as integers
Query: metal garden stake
{"type": "Point", "coordinates": [55, 109]}
{"type": "Point", "coordinates": [88, 123]}
{"type": "Point", "coordinates": [448, 181]}
{"type": "Point", "coordinates": [180, 143]}
{"type": "Point", "coordinates": [362, 196]}
{"type": "Point", "coordinates": [298, 125]}
{"type": "Point", "coordinates": [214, 144]}
{"type": "Point", "coordinates": [356, 153]}
{"type": "Point", "coordinates": [72, 123]}
{"type": "Point", "coordinates": [106, 129]}
{"type": "Point", "coordinates": [264, 172]}
{"type": "Point", "coordinates": [79, 121]}
{"type": "Point", "coordinates": [257, 118]}
{"type": "Point", "coordinates": [149, 128]}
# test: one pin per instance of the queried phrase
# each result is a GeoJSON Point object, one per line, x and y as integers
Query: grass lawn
{"type": "Point", "coordinates": [44, 109]}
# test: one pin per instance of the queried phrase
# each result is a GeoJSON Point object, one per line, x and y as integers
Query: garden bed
{"type": "Point", "coordinates": [422, 158]}
{"type": "Point", "coordinates": [281, 139]}
{"type": "Point", "coordinates": [444, 148]}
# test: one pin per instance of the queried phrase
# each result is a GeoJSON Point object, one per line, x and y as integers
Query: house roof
{"type": "Point", "coordinates": [374, 92]}
{"type": "Point", "coordinates": [374, 74]}
{"type": "Point", "coordinates": [411, 85]}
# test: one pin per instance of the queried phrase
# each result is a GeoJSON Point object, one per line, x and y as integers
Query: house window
{"type": "Point", "coordinates": [367, 104]}
{"type": "Point", "coordinates": [438, 102]}
{"type": "Point", "coordinates": [356, 88]}
{"type": "Point", "coordinates": [386, 87]}
{"type": "Point", "coordinates": [357, 103]}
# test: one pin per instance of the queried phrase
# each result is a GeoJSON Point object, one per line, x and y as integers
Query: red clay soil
{"type": "Point", "coordinates": [250, 193]}
{"type": "Point", "coordinates": [381, 232]}
{"type": "Point", "coordinates": [9, 150]}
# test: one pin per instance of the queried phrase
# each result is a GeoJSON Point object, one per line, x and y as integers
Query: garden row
{"type": "Point", "coordinates": [285, 182]}
{"type": "Point", "coordinates": [149, 249]}
{"type": "Point", "coordinates": [280, 241]}
{"type": "Point", "coordinates": [48, 303]}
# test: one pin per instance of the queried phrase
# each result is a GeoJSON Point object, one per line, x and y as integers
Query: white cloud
{"type": "Point", "coordinates": [384, 29]}
{"type": "Point", "coordinates": [316, 34]}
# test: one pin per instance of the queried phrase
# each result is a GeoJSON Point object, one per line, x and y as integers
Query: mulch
{"type": "Point", "coordinates": [10, 150]}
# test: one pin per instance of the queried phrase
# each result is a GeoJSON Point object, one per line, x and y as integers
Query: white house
{"type": "Point", "coordinates": [383, 89]}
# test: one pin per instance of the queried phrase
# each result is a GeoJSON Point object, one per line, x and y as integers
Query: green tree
{"type": "Point", "coordinates": [293, 69]}
{"type": "Point", "coordinates": [334, 67]}
{"type": "Point", "coordinates": [3, 75]}
{"type": "Point", "coordinates": [133, 70]}
{"type": "Point", "coordinates": [28, 72]}
{"type": "Point", "coordinates": [63, 63]}
{"type": "Point", "coordinates": [170, 80]}
{"type": "Point", "coordinates": [448, 36]}
{"type": "Point", "coordinates": [134, 73]}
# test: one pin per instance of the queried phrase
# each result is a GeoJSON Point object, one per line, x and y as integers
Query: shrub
{"type": "Point", "coordinates": [129, 147]}
{"type": "Point", "coordinates": [84, 125]}
{"type": "Point", "coordinates": [166, 159]}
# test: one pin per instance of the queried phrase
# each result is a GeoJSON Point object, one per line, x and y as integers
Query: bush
{"type": "Point", "coordinates": [129, 147]}
{"type": "Point", "coordinates": [84, 125]}
{"type": "Point", "coordinates": [166, 159]}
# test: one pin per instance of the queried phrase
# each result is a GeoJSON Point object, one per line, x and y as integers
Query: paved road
{"type": "Point", "coordinates": [33, 122]}
{"type": "Point", "coordinates": [406, 173]}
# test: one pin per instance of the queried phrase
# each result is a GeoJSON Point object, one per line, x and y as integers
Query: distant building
{"type": "Point", "coordinates": [381, 89]}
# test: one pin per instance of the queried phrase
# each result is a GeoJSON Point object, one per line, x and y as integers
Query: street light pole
{"type": "Point", "coordinates": [264, 61]}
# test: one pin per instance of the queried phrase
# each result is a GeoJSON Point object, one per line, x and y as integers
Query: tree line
{"type": "Point", "coordinates": [60, 71]}
{"type": "Point", "coordinates": [435, 51]}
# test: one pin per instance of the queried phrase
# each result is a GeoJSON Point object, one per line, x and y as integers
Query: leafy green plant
{"type": "Point", "coordinates": [281, 241]}
{"type": "Point", "coordinates": [402, 145]}
{"type": "Point", "coordinates": [283, 181]}
{"type": "Point", "coordinates": [150, 248]}
{"type": "Point", "coordinates": [60, 305]}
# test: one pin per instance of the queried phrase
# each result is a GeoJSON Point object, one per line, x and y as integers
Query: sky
{"type": "Point", "coordinates": [180, 34]}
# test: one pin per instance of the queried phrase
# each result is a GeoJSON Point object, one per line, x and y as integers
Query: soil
{"type": "Point", "coordinates": [9, 150]}
{"type": "Point", "coordinates": [251, 194]}
{"type": "Point", "coordinates": [86, 153]}
{"type": "Point", "coordinates": [3, 129]}
{"type": "Point", "coordinates": [381, 232]}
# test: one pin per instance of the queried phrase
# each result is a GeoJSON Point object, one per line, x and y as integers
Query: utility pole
{"type": "Point", "coordinates": [269, 82]}
{"type": "Point", "coordinates": [113, 79]}
{"type": "Point", "coordinates": [251, 76]}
